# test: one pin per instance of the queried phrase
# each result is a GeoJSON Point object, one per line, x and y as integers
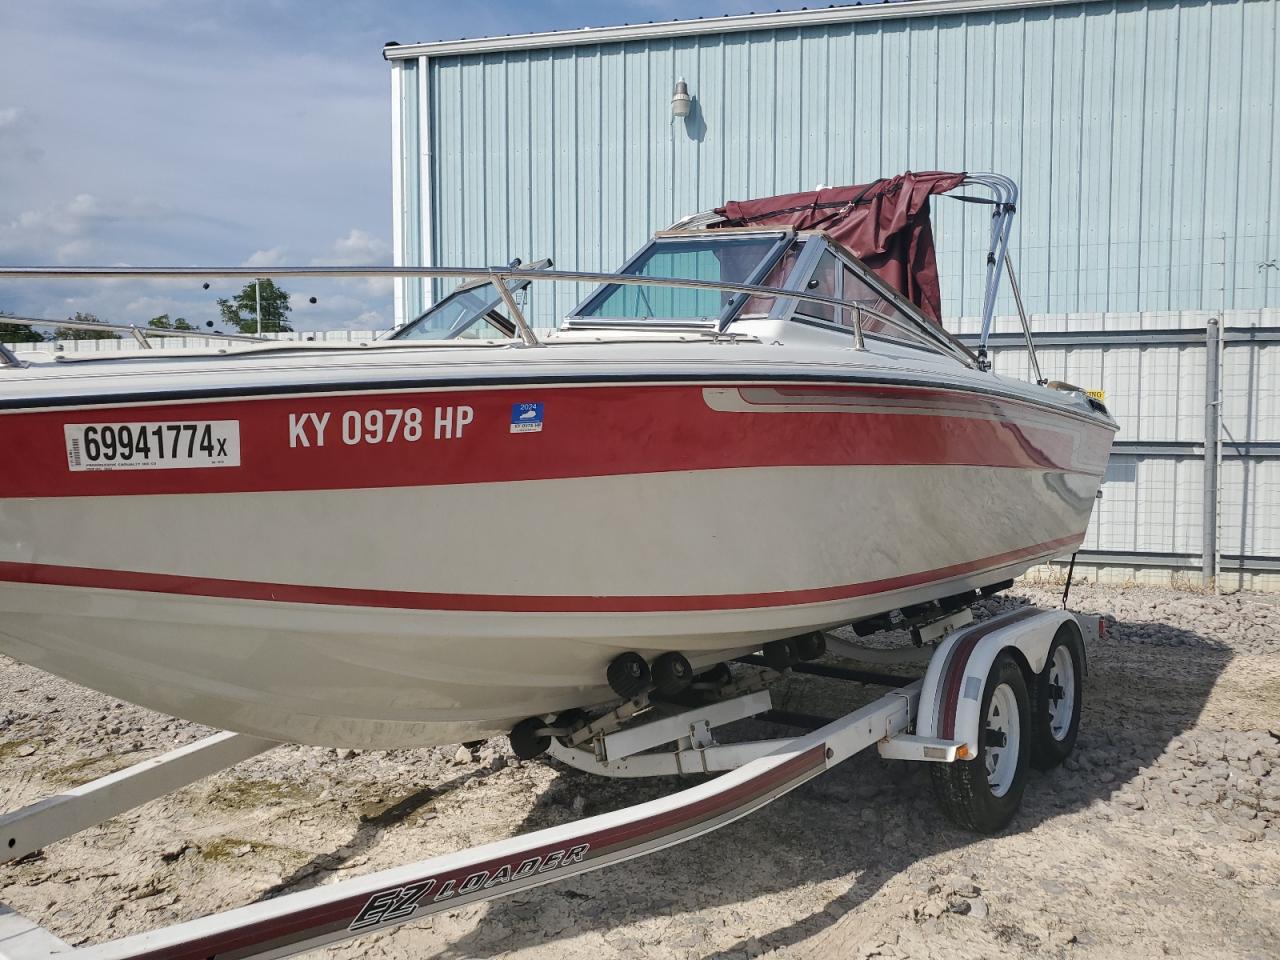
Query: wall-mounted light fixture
{"type": "Point", "coordinates": [681, 102]}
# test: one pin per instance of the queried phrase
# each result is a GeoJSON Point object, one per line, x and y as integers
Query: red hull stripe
{"type": "Point", "coordinates": [103, 579]}
{"type": "Point", "coordinates": [475, 436]}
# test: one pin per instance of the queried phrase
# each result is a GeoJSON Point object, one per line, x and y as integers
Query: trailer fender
{"type": "Point", "coordinates": [951, 697]}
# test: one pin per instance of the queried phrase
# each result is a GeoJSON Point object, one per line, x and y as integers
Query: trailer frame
{"type": "Point", "coordinates": [932, 719]}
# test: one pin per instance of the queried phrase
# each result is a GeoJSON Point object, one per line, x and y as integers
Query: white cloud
{"type": "Point", "coordinates": [68, 229]}
{"type": "Point", "coordinates": [356, 249]}
{"type": "Point", "coordinates": [67, 219]}
{"type": "Point", "coordinates": [359, 249]}
{"type": "Point", "coordinates": [359, 245]}
{"type": "Point", "coordinates": [74, 252]}
{"type": "Point", "coordinates": [266, 258]}
{"type": "Point", "coordinates": [149, 307]}
{"type": "Point", "coordinates": [9, 116]}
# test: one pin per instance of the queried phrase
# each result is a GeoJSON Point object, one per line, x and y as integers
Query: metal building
{"type": "Point", "coordinates": [1144, 134]}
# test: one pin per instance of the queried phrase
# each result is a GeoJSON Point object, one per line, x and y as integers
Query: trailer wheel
{"type": "Point", "coordinates": [809, 646]}
{"type": "Point", "coordinates": [983, 794]}
{"type": "Point", "coordinates": [778, 654]}
{"type": "Point", "coordinates": [628, 675]}
{"type": "Point", "coordinates": [716, 677]}
{"type": "Point", "coordinates": [1056, 699]}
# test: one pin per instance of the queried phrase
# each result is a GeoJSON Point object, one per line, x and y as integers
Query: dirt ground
{"type": "Point", "coordinates": [1159, 837]}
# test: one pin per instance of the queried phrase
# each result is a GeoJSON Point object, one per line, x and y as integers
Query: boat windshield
{"type": "Point", "coordinates": [471, 312]}
{"type": "Point", "coordinates": [723, 259]}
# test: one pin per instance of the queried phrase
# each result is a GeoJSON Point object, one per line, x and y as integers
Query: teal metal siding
{"type": "Point", "coordinates": [1140, 132]}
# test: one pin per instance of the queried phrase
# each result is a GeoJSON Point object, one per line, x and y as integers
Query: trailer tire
{"type": "Point", "coordinates": [778, 654]}
{"type": "Point", "coordinates": [983, 796]}
{"type": "Point", "coordinates": [809, 646]}
{"type": "Point", "coordinates": [1056, 700]}
{"type": "Point", "coordinates": [716, 677]}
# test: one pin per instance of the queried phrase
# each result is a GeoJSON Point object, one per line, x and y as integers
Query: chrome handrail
{"type": "Point", "coordinates": [498, 275]}
{"type": "Point", "coordinates": [139, 333]}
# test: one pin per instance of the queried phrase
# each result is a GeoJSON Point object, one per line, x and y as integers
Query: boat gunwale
{"type": "Point", "coordinates": [728, 378]}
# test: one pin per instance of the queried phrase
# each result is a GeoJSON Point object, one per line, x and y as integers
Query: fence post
{"type": "Point", "coordinates": [1212, 432]}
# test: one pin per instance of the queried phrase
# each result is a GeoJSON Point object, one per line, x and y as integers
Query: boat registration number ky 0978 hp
{"type": "Point", "coordinates": [162, 445]}
{"type": "Point", "coordinates": [378, 426]}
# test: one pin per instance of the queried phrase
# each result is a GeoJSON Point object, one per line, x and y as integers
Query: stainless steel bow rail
{"type": "Point", "coordinates": [942, 718]}
{"type": "Point", "coordinates": [499, 276]}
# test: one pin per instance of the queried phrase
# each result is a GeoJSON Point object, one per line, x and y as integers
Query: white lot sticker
{"type": "Point", "coordinates": [167, 445]}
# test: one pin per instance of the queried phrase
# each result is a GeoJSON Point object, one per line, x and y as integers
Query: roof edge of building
{"type": "Point", "coordinates": [734, 23]}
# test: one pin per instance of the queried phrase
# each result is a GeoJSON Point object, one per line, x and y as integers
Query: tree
{"type": "Point", "coordinates": [163, 322]}
{"type": "Point", "coordinates": [75, 333]}
{"type": "Point", "coordinates": [18, 333]}
{"type": "Point", "coordinates": [241, 310]}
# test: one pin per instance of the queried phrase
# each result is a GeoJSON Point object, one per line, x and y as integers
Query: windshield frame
{"type": "Point", "coordinates": [485, 316]}
{"type": "Point", "coordinates": [490, 315]}
{"type": "Point", "coordinates": [922, 333]}
{"type": "Point", "coordinates": [576, 319]}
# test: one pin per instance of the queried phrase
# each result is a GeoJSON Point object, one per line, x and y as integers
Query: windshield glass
{"type": "Point", "coordinates": [853, 286]}
{"type": "Point", "coordinates": [729, 260]}
{"type": "Point", "coordinates": [464, 313]}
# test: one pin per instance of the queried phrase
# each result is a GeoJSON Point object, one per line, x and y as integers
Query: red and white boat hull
{"type": "Point", "coordinates": [327, 579]}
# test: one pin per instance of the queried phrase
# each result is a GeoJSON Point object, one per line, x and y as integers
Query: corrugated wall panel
{"type": "Point", "coordinates": [1250, 406]}
{"type": "Point", "coordinates": [1126, 170]}
{"type": "Point", "coordinates": [1270, 286]}
{"type": "Point", "coordinates": [1255, 173]}
{"type": "Point", "coordinates": [1250, 524]}
{"type": "Point", "coordinates": [1141, 132]}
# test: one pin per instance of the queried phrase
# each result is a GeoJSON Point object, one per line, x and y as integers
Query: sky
{"type": "Point", "coordinates": [221, 133]}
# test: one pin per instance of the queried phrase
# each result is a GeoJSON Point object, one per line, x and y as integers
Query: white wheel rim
{"type": "Point", "coordinates": [1062, 683]}
{"type": "Point", "coordinates": [1003, 740]}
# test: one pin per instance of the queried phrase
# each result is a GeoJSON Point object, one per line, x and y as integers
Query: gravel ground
{"type": "Point", "coordinates": [1159, 837]}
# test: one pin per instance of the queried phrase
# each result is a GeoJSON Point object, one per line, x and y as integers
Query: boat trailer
{"type": "Point", "coordinates": [998, 695]}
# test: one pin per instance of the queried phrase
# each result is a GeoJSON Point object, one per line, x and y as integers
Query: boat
{"type": "Point", "coordinates": [754, 430]}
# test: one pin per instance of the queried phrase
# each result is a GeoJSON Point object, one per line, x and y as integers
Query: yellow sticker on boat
{"type": "Point", "coordinates": [1099, 395]}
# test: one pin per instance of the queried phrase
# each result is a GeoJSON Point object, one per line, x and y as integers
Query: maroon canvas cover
{"type": "Point", "coordinates": [885, 224]}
